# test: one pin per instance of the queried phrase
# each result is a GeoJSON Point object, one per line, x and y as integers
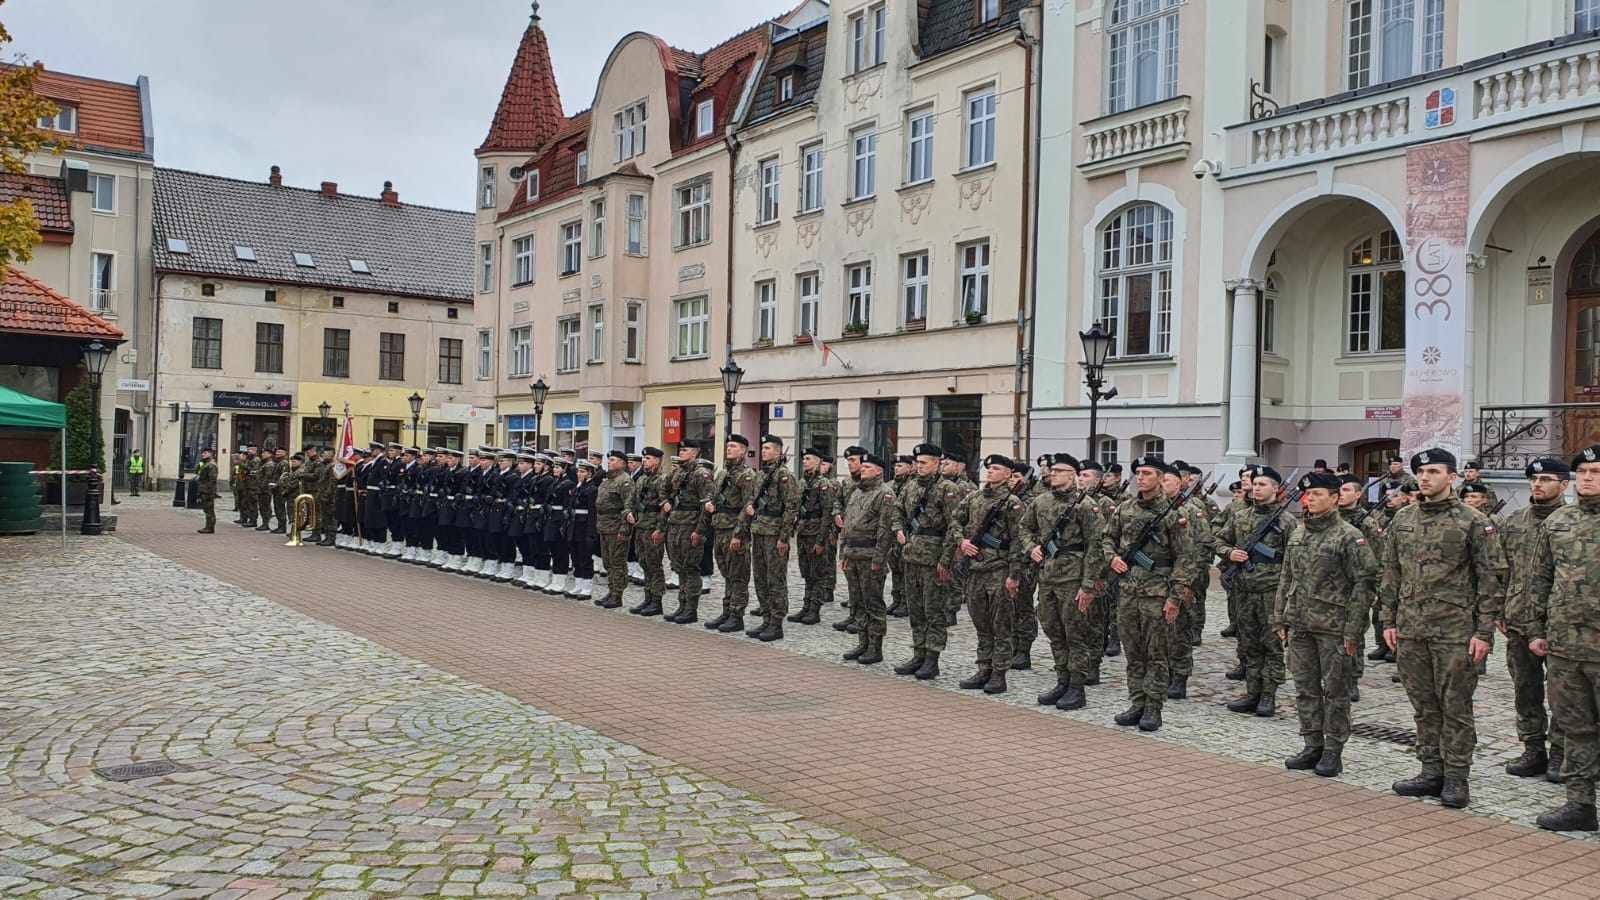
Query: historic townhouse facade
{"type": "Point", "coordinates": [1330, 229]}
{"type": "Point", "coordinates": [603, 245]}
{"type": "Point", "coordinates": [882, 227]}
{"type": "Point", "coordinates": [275, 302]}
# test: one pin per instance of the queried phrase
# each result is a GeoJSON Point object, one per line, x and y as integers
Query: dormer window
{"type": "Point", "coordinates": [705, 118]}
{"type": "Point", "coordinates": [583, 166]}
{"type": "Point", "coordinates": [178, 245]}
{"type": "Point", "coordinates": [243, 253]}
{"type": "Point", "coordinates": [533, 185]}
{"type": "Point", "coordinates": [786, 89]}
{"type": "Point", "coordinates": [988, 11]}
{"type": "Point", "coordinates": [65, 120]}
{"type": "Point", "coordinates": [628, 130]}
{"type": "Point", "coordinates": [304, 260]}
{"type": "Point", "coordinates": [360, 266]}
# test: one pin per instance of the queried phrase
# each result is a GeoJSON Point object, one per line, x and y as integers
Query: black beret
{"type": "Point", "coordinates": [814, 451]}
{"type": "Point", "coordinates": [1021, 468]}
{"type": "Point", "coordinates": [1433, 456]}
{"type": "Point", "coordinates": [1350, 479]}
{"type": "Point", "coordinates": [738, 439]}
{"type": "Point", "coordinates": [1114, 468]}
{"type": "Point", "coordinates": [1325, 480]}
{"type": "Point", "coordinates": [1177, 469]}
{"type": "Point", "coordinates": [1180, 465]}
{"type": "Point", "coordinates": [950, 456]}
{"type": "Point", "coordinates": [1547, 466]}
{"type": "Point", "coordinates": [1143, 462]}
{"type": "Point", "coordinates": [1407, 488]}
{"type": "Point", "coordinates": [855, 450]}
{"type": "Point", "coordinates": [1342, 467]}
{"type": "Point", "coordinates": [618, 454]}
{"type": "Point", "coordinates": [1266, 472]}
{"type": "Point", "coordinates": [1589, 454]}
{"type": "Point", "coordinates": [772, 439]}
{"type": "Point", "coordinates": [1236, 486]}
{"type": "Point", "coordinates": [298, 456]}
{"type": "Point", "coordinates": [1320, 464]}
{"type": "Point", "coordinates": [1092, 465]}
{"type": "Point", "coordinates": [906, 458]}
{"type": "Point", "coordinates": [998, 459]}
{"type": "Point", "coordinates": [927, 450]}
{"type": "Point", "coordinates": [1472, 464]}
{"type": "Point", "coordinates": [1061, 459]}
{"type": "Point", "coordinates": [654, 451]}
{"type": "Point", "coordinates": [1474, 487]}
{"type": "Point", "coordinates": [873, 459]}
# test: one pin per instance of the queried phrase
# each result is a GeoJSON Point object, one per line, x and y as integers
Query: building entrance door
{"type": "Point", "coordinates": [263, 431]}
{"type": "Point", "coordinates": [1582, 423]}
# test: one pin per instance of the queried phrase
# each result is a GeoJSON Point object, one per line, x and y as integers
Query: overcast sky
{"type": "Point", "coordinates": [353, 91]}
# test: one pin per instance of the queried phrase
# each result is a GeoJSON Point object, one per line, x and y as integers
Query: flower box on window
{"type": "Point", "coordinates": [974, 317]}
{"type": "Point", "coordinates": [855, 329]}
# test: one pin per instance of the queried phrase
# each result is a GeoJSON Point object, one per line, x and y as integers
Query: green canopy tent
{"type": "Point", "coordinates": [19, 410]}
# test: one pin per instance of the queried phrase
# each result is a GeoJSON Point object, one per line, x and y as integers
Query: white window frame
{"type": "Point", "coordinates": [1153, 446]}
{"type": "Point", "coordinates": [808, 303]}
{"type": "Point", "coordinates": [571, 248]}
{"type": "Point", "coordinates": [569, 340]}
{"type": "Point", "coordinates": [1137, 242]}
{"type": "Point", "coordinates": [1369, 25]}
{"type": "Point", "coordinates": [1585, 15]}
{"type": "Point", "coordinates": [64, 121]}
{"type": "Point", "coordinates": [1368, 259]}
{"type": "Point", "coordinates": [705, 118]}
{"type": "Point", "coordinates": [96, 179]}
{"type": "Point", "coordinates": [522, 260]}
{"type": "Point", "coordinates": [638, 234]}
{"type": "Point", "coordinates": [532, 182]}
{"type": "Point", "coordinates": [485, 354]}
{"type": "Point", "coordinates": [485, 267]}
{"type": "Point", "coordinates": [858, 296]}
{"type": "Point", "coordinates": [766, 311]}
{"type": "Point", "coordinates": [597, 228]}
{"type": "Point", "coordinates": [583, 166]}
{"type": "Point", "coordinates": [1267, 316]}
{"type": "Point", "coordinates": [597, 333]}
{"type": "Point", "coordinates": [973, 287]}
{"type": "Point", "coordinates": [858, 41]}
{"type": "Point", "coordinates": [692, 327]}
{"type": "Point", "coordinates": [1106, 449]}
{"type": "Point", "coordinates": [521, 358]}
{"type": "Point", "coordinates": [693, 219]}
{"type": "Point", "coordinates": [786, 88]}
{"type": "Point", "coordinates": [1134, 30]}
{"type": "Point", "coordinates": [879, 16]}
{"type": "Point", "coordinates": [768, 187]}
{"type": "Point", "coordinates": [102, 292]}
{"type": "Point", "coordinates": [633, 332]}
{"type": "Point", "coordinates": [988, 11]}
{"type": "Point", "coordinates": [811, 159]}
{"type": "Point", "coordinates": [919, 145]}
{"type": "Point", "coordinates": [486, 182]}
{"type": "Point", "coordinates": [981, 106]}
{"type": "Point", "coordinates": [864, 162]}
{"type": "Point", "coordinates": [628, 129]}
{"type": "Point", "coordinates": [914, 288]}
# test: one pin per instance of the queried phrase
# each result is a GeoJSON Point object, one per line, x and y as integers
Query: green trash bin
{"type": "Point", "coordinates": [19, 499]}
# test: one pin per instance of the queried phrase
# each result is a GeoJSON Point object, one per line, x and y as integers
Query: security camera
{"type": "Point", "coordinates": [1206, 167]}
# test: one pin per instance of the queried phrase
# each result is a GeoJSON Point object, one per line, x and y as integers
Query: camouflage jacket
{"type": "Point", "coordinates": [925, 507]}
{"type": "Point", "coordinates": [649, 492]}
{"type": "Point", "coordinates": [205, 473]}
{"type": "Point", "coordinates": [687, 492]}
{"type": "Point", "coordinates": [999, 545]}
{"type": "Point", "coordinates": [1327, 579]}
{"type": "Point", "coordinates": [266, 479]}
{"type": "Point", "coordinates": [776, 502]}
{"type": "Point", "coordinates": [1518, 535]}
{"type": "Point", "coordinates": [1564, 582]}
{"type": "Point", "coordinates": [818, 501]}
{"type": "Point", "coordinates": [611, 502]}
{"type": "Point", "coordinates": [1170, 549]}
{"type": "Point", "coordinates": [1443, 571]}
{"type": "Point", "coordinates": [732, 490]}
{"type": "Point", "coordinates": [1199, 514]}
{"type": "Point", "coordinates": [870, 522]}
{"type": "Point", "coordinates": [1067, 525]}
{"type": "Point", "coordinates": [1239, 527]}
{"type": "Point", "coordinates": [1488, 491]}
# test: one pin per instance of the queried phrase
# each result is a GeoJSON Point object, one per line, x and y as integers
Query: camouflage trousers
{"type": "Point", "coordinates": [1322, 677]}
{"type": "Point", "coordinates": [1024, 622]}
{"type": "Point", "coordinates": [1072, 634]}
{"type": "Point", "coordinates": [1104, 615]}
{"type": "Point", "coordinates": [1180, 653]}
{"type": "Point", "coordinates": [1575, 700]}
{"type": "Point", "coordinates": [771, 571]}
{"type": "Point", "coordinates": [245, 499]}
{"type": "Point", "coordinates": [1528, 672]}
{"type": "Point", "coordinates": [957, 594]}
{"type": "Point", "coordinates": [1195, 615]}
{"type": "Point", "coordinates": [614, 552]}
{"type": "Point", "coordinates": [815, 567]}
{"type": "Point", "coordinates": [925, 599]}
{"type": "Point", "coordinates": [685, 554]}
{"type": "Point", "coordinates": [830, 572]}
{"type": "Point", "coordinates": [897, 577]}
{"type": "Point", "coordinates": [992, 610]}
{"type": "Point", "coordinates": [735, 569]}
{"type": "Point", "coordinates": [864, 579]}
{"type": "Point", "coordinates": [1144, 635]}
{"type": "Point", "coordinates": [650, 553]}
{"type": "Point", "coordinates": [1259, 645]}
{"type": "Point", "coordinates": [1439, 678]}
{"type": "Point", "coordinates": [264, 505]}
{"type": "Point", "coordinates": [280, 508]}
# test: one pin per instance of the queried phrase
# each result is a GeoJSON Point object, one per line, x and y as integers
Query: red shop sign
{"type": "Point", "coordinates": [672, 425]}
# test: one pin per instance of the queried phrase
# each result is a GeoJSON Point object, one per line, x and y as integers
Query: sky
{"type": "Point", "coordinates": [352, 91]}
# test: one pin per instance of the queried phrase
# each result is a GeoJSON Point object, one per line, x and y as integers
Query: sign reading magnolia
{"type": "Point", "coordinates": [240, 400]}
{"type": "Point", "coordinates": [1437, 179]}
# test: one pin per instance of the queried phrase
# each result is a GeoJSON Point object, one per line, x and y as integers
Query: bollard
{"type": "Point", "coordinates": [178, 493]}
{"type": "Point", "coordinates": [91, 506]}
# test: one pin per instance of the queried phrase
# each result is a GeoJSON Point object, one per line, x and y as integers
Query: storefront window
{"type": "Point", "coordinates": [386, 431]}
{"type": "Point", "coordinates": [956, 425]}
{"type": "Point", "coordinates": [819, 427]}
{"type": "Point", "coordinates": [315, 432]}
{"type": "Point", "coordinates": [519, 432]}
{"type": "Point", "coordinates": [884, 429]}
{"type": "Point", "coordinates": [199, 433]}
{"type": "Point", "coordinates": [696, 424]}
{"type": "Point", "coordinates": [572, 432]}
{"type": "Point", "coordinates": [450, 437]}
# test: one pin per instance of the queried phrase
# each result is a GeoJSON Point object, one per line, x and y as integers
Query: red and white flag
{"type": "Point", "coordinates": [347, 447]}
{"type": "Point", "coordinates": [826, 352]}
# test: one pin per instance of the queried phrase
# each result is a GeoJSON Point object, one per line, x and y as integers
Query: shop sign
{"type": "Point", "coordinates": [241, 400]}
{"type": "Point", "coordinates": [672, 425]}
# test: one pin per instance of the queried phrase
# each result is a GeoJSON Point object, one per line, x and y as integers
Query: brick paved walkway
{"type": "Point", "coordinates": [1004, 798]}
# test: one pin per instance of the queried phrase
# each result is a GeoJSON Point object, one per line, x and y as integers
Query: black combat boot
{"type": "Point", "coordinates": [811, 613]}
{"type": "Point", "coordinates": [997, 681]}
{"type": "Point", "coordinates": [1151, 720]}
{"type": "Point", "coordinates": [1113, 641]}
{"type": "Point", "coordinates": [950, 618]}
{"type": "Point", "coordinates": [773, 632]}
{"type": "Point", "coordinates": [1236, 673]}
{"type": "Point", "coordinates": [910, 666]}
{"type": "Point", "coordinates": [899, 610]}
{"type": "Point", "coordinates": [1230, 631]}
{"type": "Point", "coordinates": [1377, 652]}
{"type": "Point", "coordinates": [978, 679]}
{"type": "Point", "coordinates": [682, 604]}
{"type": "Point", "coordinates": [1553, 774]}
{"type": "Point", "coordinates": [1305, 759]}
{"type": "Point", "coordinates": [266, 524]}
{"type": "Point", "coordinates": [1178, 688]}
{"type": "Point", "coordinates": [760, 626]}
{"type": "Point", "coordinates": [651, 607]}
{"type": "Point", "coordinates": [732, 625]}
{"type": "Point", "coordinates": [874, 654]}
{"type": "Point", "coordinates": [1129, 716]}
{"type": "Point", "coordinates": [206, 530]}
{"type": "Point", "coordinates": [860, 647]}
{"type": "Point", "coordinates": [1355, 693]}
{"type": "Point", "coordinates": [639, 607]}
{"type": "Point", "coordinates": [1423, 785]}
{"type": "Point", "coordinates": [690, 613]}
{"type": "Point", "coordinates": [847, 624]}
{"type": "Point", "coordinates": [1331, 763]}
{"type": "Point", "coordinates": [1093, 678]}
{"type": "Point", "coordinates": [1267, 706]}
{"type": "Point", "coordinates": [1049, 698]}
{"type": "Point", "coordinates": [1455, 793]}
{"type": "Point", "coordinates": [1570, 817]}
{"type": "Point", "coordinates": [1022, 662]}
{"type": "Point", "coordinates": [930, 667]}
{"type": "Point", "coordinates": [1388, 655]}
{"type": "Point", "coordinates": [1531, 764]}
{"type": "Point", "coordinates": [1074, 698]}
{"type": "Point", "coordinates": [1246, 704]}
{"type": "Point", "coordinates": [798, 616]}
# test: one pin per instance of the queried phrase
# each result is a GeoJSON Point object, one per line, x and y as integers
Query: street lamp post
{"type": "Point", "coordinates": [95, 357]}
{"type": "Point", "coordinates": [540, 392]}
{"type": "Point", "coordinates": [1096, 346]}
{"type": "Point", "coordinates": [416, 411]}
{"type": "Point", "coordinates": [323, 409]}
{"type": "Point", "coordinates": [731, 376]}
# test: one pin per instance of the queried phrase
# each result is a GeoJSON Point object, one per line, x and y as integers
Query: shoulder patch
{"type": "Point", "coordinates": [1183, 522]}
{"type": "Point", "coordinates": [1361, 542]}
{"type": "Point", "coordinates": [1488, 529]}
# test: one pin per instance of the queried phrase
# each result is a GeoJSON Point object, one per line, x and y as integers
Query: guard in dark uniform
{"type": "Point", "coordinates": [558, 516]}
{"type": "Point", "coordinates": [583, 538]}
{"type": "Point", "coordinates": [375, 520]}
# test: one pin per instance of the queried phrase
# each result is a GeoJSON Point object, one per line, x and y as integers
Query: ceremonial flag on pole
{"type": "Point", "coordinates": [347, 447]}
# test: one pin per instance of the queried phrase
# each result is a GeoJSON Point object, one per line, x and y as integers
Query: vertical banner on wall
{"type": "Point", "coordinates": [1436, 295]}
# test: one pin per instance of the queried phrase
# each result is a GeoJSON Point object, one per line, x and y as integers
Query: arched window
{"type": "Point", "coordinates": [1585, 277]}
{"type": "Point", "coordinates": [1375, 294]}
{"type": "Point", "coordinates": [1135, 301]}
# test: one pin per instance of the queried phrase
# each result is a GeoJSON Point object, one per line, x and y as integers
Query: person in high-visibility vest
{"type": "Point", "coordinates": [135, 472]}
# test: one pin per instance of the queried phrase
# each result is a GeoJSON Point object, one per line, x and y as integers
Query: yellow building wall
{"type": "Point", "coordinates": [365, 403]}
{"type": "Point", "coordinates": [681, 395]}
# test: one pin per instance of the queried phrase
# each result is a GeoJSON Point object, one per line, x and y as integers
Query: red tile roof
{"type": "Point", "coordinates": [530, 104]}
{"type": "Point", "coordinates": [52, 206]}
{"type": "Point", "coordinates": [557, 164]}
{"type": "Point", "coordinates": [110, 113]}
{"type": "Point", "coordinates": [28, 306]}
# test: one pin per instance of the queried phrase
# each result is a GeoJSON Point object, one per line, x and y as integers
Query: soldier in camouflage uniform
{"type": "Point", "coordinates": [847, 484]}
{"type": "Point", "coordinates": [1320, 612]}
{"type": "Point", "coordinates": [1254, 590]}
{"type": "Point", "coordinates": [612, 506]}
{"type": "Point", "coordinates": [1180, 647]}
{"type": "Point", "coordinates": [1241, 498]}
{"type": "Point", "coordinates": [1103, 610]}
{"type": "Point", "coordinates": [924, 508]}
{"type": "Point", "coordinates": [1442, 593]}
{"type": "Point", "coordinates": [1153, 580]}
{"type": "Point", "coordinates": [870, 525]}
{"type": "Point", "coordinates": [235, 482]}
{"type": "Point", "coordinates": [954, 470]}
{"type": "Point", "coordinates": [1354, 511]}
{"type": "Point", "coordinates": [987, 533]}
{"type": "Point", "coordinates": [687, 526]}
{"type": "Point", "coordinates": [830, 577]}
{"type": "Point", "coordinates": [1547, 483]}
{"type": "Point", "coordinates": [814, 535]}
{"type": "Point", "coordinates": [265, 483]}
{"type": "Point", "coordinates": [1472, 473]}
{"type": "Point", "coordinates": [1563, 627]}
{"type": "Point", "coordinates": [771, 519]}
{"type": "Point", "coordinates": [1061, 537]}
{"type": "Point", "coordinates": [650, 529]}
{"type": "Point", "coordinates": [897, 568]}
{"type": "Point", "coordinates": [733, 490]}
{"type": "Point", "coordinates": [1024, 622]}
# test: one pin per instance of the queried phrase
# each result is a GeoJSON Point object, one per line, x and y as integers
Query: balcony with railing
{"type": "Point", "coordinates": [1152, 133]}
{"type": "Point", "coordinates": [1543, 79]}
{"type": "Point", "coordinates": [1510, 437]}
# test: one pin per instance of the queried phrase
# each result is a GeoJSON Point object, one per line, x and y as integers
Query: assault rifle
{"type": "Point", "coordinates": [1254, 546]}
{"type": "Point", "coordinates": [1501, 504]}
{"type": "Point", "coordinates": [1134, 554]}
{"type": "Point", "coordinates": [983, 537]}
{"type": "Point", "coordinates": [1368, 508]}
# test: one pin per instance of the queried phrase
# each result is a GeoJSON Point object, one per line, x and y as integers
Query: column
{"type": "Point", "coordinates": [1242, 399]}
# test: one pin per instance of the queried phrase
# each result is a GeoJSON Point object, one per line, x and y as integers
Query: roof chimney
{"type": "Point", "coordinates": [389, 197]}
{"type": "Point", "coordinates": [330, 189]}
{"type": "Point", "coordinates": [276, 178]}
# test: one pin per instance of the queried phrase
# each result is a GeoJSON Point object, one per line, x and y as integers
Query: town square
{"type": "Point", "coordinates": [475, 464]}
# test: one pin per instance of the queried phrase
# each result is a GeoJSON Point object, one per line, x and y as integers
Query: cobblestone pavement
{"type": "Point", "coordinates": [313, 761]}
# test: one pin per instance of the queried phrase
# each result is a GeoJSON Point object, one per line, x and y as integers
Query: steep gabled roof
{"type": "Point", "coordinates": [557, 165]}
{"type": "Point", "coordinates": [944, 25]}
{"type": "Point", "coordinates": [110, 114]}
{"type": "Point", "coordinates": [800, 54]}
{"type": "Point", "coordinates": [29, 306]}
{"type": "Point", "coordinates": [530, 103]}
{"type": "Point", "coordinates": [52, 206]}
{"type": "Point", "coordinates": [718, 74]}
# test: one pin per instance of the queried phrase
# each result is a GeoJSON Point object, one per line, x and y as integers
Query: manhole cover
{"type": "Point", "coordinates": [135, 771]}
{"type": "Point", "coordinates": [1380, 732]}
